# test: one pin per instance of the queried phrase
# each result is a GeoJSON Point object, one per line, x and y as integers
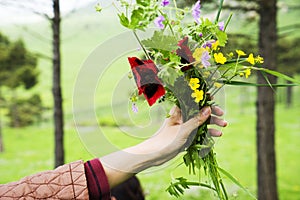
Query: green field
{"type": "Point", "coordinates": [30, 150]}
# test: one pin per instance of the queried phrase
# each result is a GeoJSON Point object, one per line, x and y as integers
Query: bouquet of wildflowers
{"type": "Point", "coordinates": [184, 64]}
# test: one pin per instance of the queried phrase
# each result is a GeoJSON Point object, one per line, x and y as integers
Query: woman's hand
{"type": "Point", "coordinates": [172, 138]}
{"type": "Point", "coordinates": [174, 135]}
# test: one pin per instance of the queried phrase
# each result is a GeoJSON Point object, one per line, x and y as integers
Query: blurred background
{"type": "Point", "coordinates": [37, 129]}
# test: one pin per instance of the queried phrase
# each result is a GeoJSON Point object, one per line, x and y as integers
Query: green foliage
{"type": "Point", "coordinates": [142, 15]}
{"type": "Point", "coordinates": [24, 112]}
{"type": "Point", "coordinates": [289, 55]}
{"type": "Point", "coordinates": [160, 41]}
{"type": "Point", "coordinates": [288, 51]}
{"type": "Point", "coordinates": [18, 68]}
{"type": "Point", "coordinates": [17, 65]}
{"type": "Point", "coordinates": [185, 3]}
{"type": "Point", "coordinates": [208, 29]}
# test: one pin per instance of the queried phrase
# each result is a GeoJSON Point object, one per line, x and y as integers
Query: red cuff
{"type": "Point", "coordinates": [97, 182]}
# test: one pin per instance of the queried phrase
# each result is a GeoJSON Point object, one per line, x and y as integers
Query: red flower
{"type": "Point", "coordinates": [147, 81]}
{"type": "Point", "coordinates": [184, 52]}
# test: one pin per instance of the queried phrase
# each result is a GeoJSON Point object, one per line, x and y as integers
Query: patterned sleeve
{"type": "Point", "coordinates": [97, 182]}
{"type": "Point", "coordinates": [65, 182]}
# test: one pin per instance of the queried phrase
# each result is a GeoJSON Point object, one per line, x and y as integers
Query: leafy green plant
{"type": "Point", "coordinates": [186, 65]}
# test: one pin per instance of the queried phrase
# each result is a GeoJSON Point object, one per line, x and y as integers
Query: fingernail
{"type": "Point", "coordinates": [225, 123]}
{"type": "Point", "coordinates": [205, 111]}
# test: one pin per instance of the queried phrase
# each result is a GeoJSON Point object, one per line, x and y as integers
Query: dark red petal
{"type": "Point", "coordinates": [184, 51]}
{"type": "Point", "coordinates": [159, 92]}
{"type": "Point", "coordinates": [145, 75]}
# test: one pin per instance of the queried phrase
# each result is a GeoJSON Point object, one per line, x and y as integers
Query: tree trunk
{"type": "Point", "coordinates": [1, 135]}
{"type": "Point", "coordinates": [57, 95]}
{"type": "Point", "coordinates": [265, 125]}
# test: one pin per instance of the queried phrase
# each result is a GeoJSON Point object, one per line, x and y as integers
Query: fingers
{"type": "Point", "coordinates": [199, 119]}
{"type": "Point", "coordinates": [218, 121]}
{"type": "Point", "coordinates": [215, 132]}
{"type": "Point", "coordinates": [216, 110]}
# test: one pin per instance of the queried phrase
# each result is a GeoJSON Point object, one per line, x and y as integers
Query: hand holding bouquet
{"type": "Point", "coordinates": [185, 64]}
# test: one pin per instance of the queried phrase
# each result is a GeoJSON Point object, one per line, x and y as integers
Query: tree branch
{"type": "Point", "coordinates": [35, 34]}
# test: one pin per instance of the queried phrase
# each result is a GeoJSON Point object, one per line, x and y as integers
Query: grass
{"type": "Point", "coordinates": [30, 150]}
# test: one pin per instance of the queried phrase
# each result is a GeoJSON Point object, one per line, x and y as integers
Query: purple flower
{"type": "Point", "coordinates": [159, 22]}
{"type": "Point", "coordinates": [165, 2]}
{"type": "Point", "coordinates": [208, 44]}
{"type": "Point", "coordinates": [205, 59]}
{"type": "Point", "coordinates": [221, 26]}
{"type": "Point", "coordinates": [134, 108]}
{"type": "Point", "coordinates": [200, 34]}
{"type": "Point", "coordinates": [196, 11]}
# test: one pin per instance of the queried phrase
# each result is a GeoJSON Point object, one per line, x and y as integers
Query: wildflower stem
{"type": "Point", "coordinates": [114, 5]}
{"type": "Point", "coordinates": [211, 77]}
{"type": "Point", "coordinates": [219, 11]}
{"type": "Point", "coordinates": [139, 41]}
{"type": "Point", "coordinates": [168, 23]}
{"type": "Point", "coordinates": [227, 22]}
{"type": "Point", "coordinates": [217, 90]}
{"type": "Point", "coordinates": [236, 64]}
{"type": "Point", "coordinates": [175, 4]}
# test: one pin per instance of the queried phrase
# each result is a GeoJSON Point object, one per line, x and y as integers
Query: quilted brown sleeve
{"type": "Point", "coordinates": [65, 182]}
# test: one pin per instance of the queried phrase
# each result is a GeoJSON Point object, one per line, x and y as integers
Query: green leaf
{"type": "Point", "coordinates": [169, 75]}
{"type": "Point", "coordinates": [222, 37]}
{"type": "Point", "coordinates": [143, 2]}
{"type": "Point", "coordinates": [124, 20]}
{"type": "Point", "coordinates": [160, 41]}
{"type": "Point", "coordinates": [279, 75]}
{"type": "Point", "coordinates": [98, 8]}
{"type": "Point", "coordinates": [234, 180]}
{"type": "Point", "coordinates": [242, 83]}
{"type": "Point", "coordinates": [174, 58]}
{"type": "Point", "coordinates": [137, 16]}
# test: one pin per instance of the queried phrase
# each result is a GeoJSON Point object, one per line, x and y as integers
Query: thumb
{"type": "Point", "coordinates": [175, 116]}
{"type": "Point", "coordinates": [196, 121]}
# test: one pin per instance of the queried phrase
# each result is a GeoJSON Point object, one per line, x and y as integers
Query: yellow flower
{"type": "Point", "coordinates": [194, 83]}
{"type": "Point", "coordinates": [198, 95]}
{"type": "Point", "coordinates": [230, 54]}
{"type": "Point", "coordinates": [219, 58]}
{"type": "Point", "coordinates": [217, 85]}
{"type": "Point", "coordinates": [247, 72]}
{"type": "Point", "coordinates": [198, 53]}
{"type": "Point", "coordinates": [259, 59]}
{"type": "Point", "coordinates": [240, 52]}
{"type": "Point", "coordinates": [250, 59]}
{"type": "Point", "coordinates": [215, 45]}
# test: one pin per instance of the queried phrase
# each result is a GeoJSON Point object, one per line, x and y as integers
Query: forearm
{"type": "Point", "coordinates": [121, 165]}
{"type": "Point", "coordinates": [165, 144]}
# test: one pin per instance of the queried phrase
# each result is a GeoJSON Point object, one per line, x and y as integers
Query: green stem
{"type": "Point", "coordinates": [236, 64]}
{"type": "Point", "coordinates": [217, 90]}
{"type": "Point", "coordinates": [168, 23]}
{"type": "Point", "coordinates": [114, 5]}
{"type": "Point", "coordinates": [211, 77]}
{"type": "Point", "coordinates": [215, 176]}
{"type": "Point", "coordinates": [139, 41]}
{"type": "Point", "coordinates": [227, 22]}
{"type": "Point", "coordinates": [190, 183]}
{"type": "Point", "coordinates": [219, 11]}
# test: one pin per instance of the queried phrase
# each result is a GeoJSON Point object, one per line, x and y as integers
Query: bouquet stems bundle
{"type": "Point", "coordinates": [186, 65]}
